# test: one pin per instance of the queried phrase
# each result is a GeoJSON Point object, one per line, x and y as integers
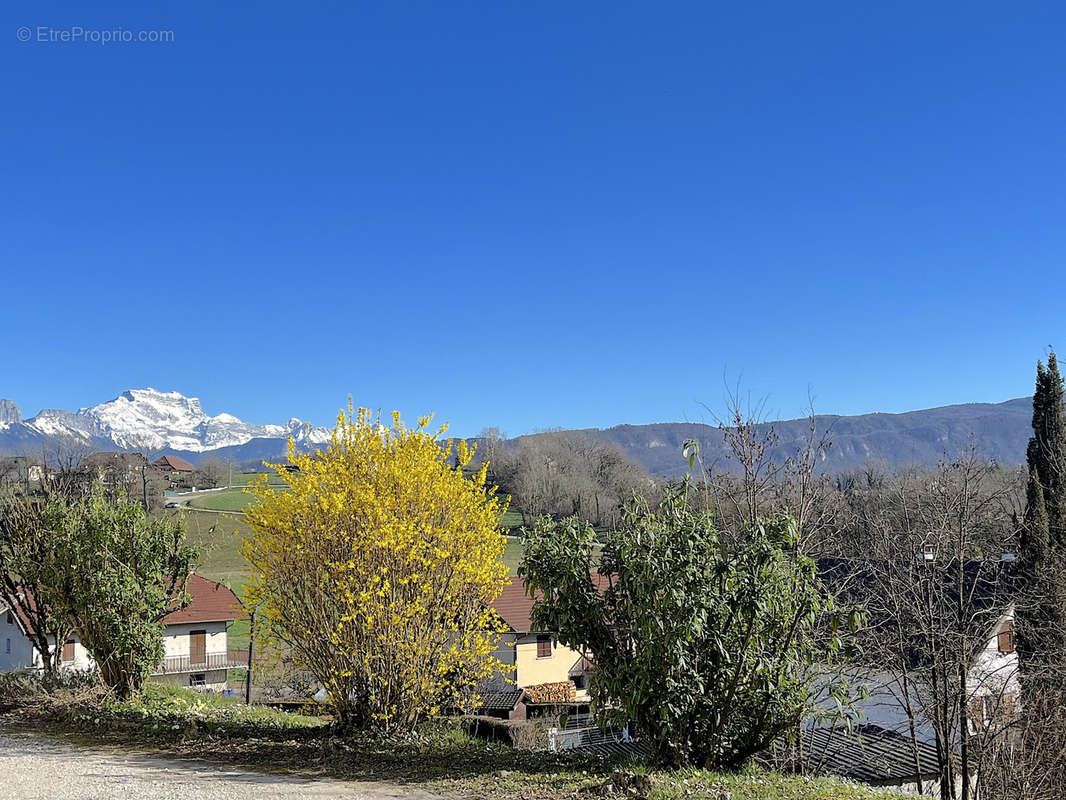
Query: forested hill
{"type": "Point", "coordinates": [1000, 430]}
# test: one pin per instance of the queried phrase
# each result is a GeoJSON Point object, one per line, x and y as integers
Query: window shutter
{"type": "Point", "coordinates": [1006, 637]}
{"type": "Point", "coordinates": [544, 647]}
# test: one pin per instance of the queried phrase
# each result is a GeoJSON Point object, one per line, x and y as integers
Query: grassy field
{"type": "Point", "coordinates": [511, 520]}
{"type": "Point", "coordinates": [248, 478]}
{"type": "Point", "coordinates": [230, 500]}
{"type": "Point", "coordinates": [219, 537]}
{"type": "Point", "coordinates": [234, 500]}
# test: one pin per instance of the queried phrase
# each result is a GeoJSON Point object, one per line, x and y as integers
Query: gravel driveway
{"type": "Point", "coordinates": [34, 768]}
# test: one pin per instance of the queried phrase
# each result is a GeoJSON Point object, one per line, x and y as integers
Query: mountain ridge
{"type": "Point", "coordinates": [168, 423]}
{"type": "Point", "coordinates": [146, 419]}
{"type": "Point", "coordinates": [923, 437]}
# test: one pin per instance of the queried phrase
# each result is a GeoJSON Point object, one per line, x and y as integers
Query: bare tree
{"type": "Point", "coordinates": [568, 473]}
{"type": "Point", "coordinates": [752, 484]}
{"type": "Point", "coordinates": [927, 560]}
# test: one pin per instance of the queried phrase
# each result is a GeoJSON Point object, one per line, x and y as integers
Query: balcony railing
{"type": "Point", "coordinates": [172, 665]}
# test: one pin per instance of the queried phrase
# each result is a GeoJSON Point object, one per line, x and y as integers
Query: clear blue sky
{"type": "Point", "coordinates": [532, 214]}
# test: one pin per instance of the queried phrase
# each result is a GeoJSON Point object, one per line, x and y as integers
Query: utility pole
{"type": "Point", "coordinates": [248, 672]}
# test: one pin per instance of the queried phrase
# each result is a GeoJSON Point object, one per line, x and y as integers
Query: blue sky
{"type": "Point", "coordinates": [532, 214]}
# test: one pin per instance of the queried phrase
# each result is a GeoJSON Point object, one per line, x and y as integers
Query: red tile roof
{"type": "Point", "coordinates": [516, 607]}
{"type": "Point", "coordinates": [20, 617]}
{"type": "Point", "coordinates": [210, 602]}
{"type": "Point", "coordinates": [176, 463]}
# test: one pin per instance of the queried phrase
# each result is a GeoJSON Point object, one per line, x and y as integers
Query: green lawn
{"type": "Point", "coordinates": [511, 520]}
{"type": "Point", "coordinates": [219, 538]}
{"type": "Point", "coordinates": [248, 478]}
{"type": "Point", "coordinates": [231, 500]}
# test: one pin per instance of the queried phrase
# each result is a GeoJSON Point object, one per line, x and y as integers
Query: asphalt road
{"type": "Point", "coordinates": [34, 768]}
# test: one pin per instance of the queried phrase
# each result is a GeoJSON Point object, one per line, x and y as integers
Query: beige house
{"type": "Point", "coordinates": [195, 640]}
{"type": "Point", "coordinates": [548, 671]}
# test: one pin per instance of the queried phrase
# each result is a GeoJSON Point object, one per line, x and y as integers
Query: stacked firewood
{"type": "Point", "coordinates": [560, 692]}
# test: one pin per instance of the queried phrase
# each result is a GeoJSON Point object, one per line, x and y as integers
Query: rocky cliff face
{"type": "Point", "coordinates": [10, 413]}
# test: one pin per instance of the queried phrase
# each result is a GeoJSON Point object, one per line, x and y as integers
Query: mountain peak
{"type": "Point", "coordinates": [149, 419]}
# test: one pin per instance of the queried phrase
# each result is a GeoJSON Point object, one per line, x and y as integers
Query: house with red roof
{"type": "Point", "coordinates": [173, 464]}
{"type": "Point", "coordinates": [195, 640]}
{"type": "Point", "coordinates": [549, 672]}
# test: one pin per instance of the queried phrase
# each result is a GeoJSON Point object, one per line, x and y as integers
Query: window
{"type": "Point", "coordinates": [7, 647]}
{"type": "Point", "coordinates": [1005, 638]}
{"type": "Point", "coordinates": [10, 618]}
{"type": "Point", "coordinates": [68, 651]}
{"type": "Point", "coordinates": [544, 646]}
{"type": "Point", "coordinates": [579, 681]}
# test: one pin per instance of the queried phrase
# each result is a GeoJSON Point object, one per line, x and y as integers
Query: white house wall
{"type": "Point", "coordinates": [176, 643]}
{"type": "Point", "coordinates": [82, 659]}
{"type": "Point", "coordinates": [995, 673]}
{"type": "Point", "coordinates": [176, 640]}
{"type": "Point", "coordinates": [16, 652]}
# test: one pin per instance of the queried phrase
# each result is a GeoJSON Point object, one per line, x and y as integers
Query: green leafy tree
{"type": "Point", "coordinates": [707, 644]}
{"type": "Point", "coordinates": [25, 544]}
{"type": "Point", "coordinates": [113, 573]}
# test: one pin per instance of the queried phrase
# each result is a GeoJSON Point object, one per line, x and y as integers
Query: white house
{"type": "Point", "coordinates": [15, 649]}
{"type": "Point", "coordinates": [996, 689]}
{"type": "Point", "coordinates": [895, 728]}
{"type": "Point", "coordinates": [195, 640]}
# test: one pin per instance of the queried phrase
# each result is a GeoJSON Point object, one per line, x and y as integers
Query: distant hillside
{"type": "Point", "coordinates": [1000, 430]}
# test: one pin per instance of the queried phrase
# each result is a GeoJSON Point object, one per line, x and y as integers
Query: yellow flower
{"type": "Point", "coordinates": [376, 564]}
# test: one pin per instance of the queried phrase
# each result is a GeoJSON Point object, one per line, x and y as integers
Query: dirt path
{"type": "Point", "coordinates": [35, 768]}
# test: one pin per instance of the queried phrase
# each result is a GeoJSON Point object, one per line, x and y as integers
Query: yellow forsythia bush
{"type": "Point", "coordinates": [377, 565]}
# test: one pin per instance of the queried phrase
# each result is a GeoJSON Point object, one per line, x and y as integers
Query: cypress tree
{"type": "Point", "coordinates": [1041, 608]}
{"type": "Point", "coordinates": [1046, 454]}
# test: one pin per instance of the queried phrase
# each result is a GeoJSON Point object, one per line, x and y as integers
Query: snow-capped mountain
{"type": "Point", "coordinates": [147, 419]}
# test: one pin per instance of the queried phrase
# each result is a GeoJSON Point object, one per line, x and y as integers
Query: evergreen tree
{"type": "Point", "coordinates": [1041, 609]}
